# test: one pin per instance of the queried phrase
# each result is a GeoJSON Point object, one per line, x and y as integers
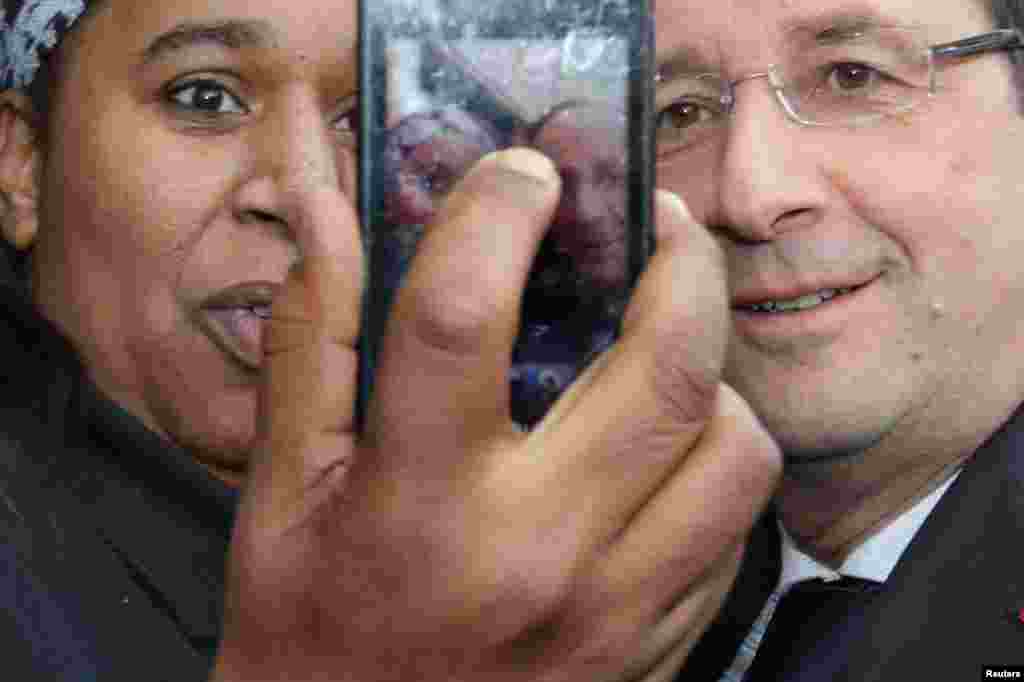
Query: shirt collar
{"type": "Point", "coordinates": [873, 559]}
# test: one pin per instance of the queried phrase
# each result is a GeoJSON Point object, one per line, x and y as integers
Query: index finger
{"type": "Point", "coordinates": [311, 359]}
{"type": "Point", "coordinates": [622, 428]}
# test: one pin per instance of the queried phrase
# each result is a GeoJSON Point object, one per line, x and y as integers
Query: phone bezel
{"type": "Point", "coordinates": [633, 21]}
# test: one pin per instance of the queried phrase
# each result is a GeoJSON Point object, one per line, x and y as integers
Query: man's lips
{"type": "Point", "coordinates": [760, 295]}
{"type": "Point", "coordinates": [233, 319]}
{"type": "Point", "coordinates": [589, 248]}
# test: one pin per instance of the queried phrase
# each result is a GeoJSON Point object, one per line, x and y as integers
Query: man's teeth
{"type": "Point", "coordinates": [802, 303]}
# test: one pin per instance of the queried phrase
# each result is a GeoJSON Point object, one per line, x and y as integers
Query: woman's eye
{"type": "Point", "coordinates": [348, 122]}
{"type": "Point", "coordinates": [208, 97]}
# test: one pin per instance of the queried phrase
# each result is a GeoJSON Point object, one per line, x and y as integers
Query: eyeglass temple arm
{"type": "Point", "coordinates": [1003, 39]}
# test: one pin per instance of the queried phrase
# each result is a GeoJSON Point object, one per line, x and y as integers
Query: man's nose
{"type": "Point", "coordinates": [771, 178]}
{"type": "Point", "coordinates": [580, 203]}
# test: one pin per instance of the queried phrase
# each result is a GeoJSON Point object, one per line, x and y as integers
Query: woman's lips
{"type": "Point", "coordinates": [237, 332]}
{"type": "Point", "coordinates": [233, 319]}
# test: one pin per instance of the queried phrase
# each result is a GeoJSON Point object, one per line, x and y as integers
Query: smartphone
{"type": "Point", "coordinates": [445, 82]}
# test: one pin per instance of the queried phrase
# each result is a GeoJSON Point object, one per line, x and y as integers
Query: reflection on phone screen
{"type": "Point", "coordinates": [452, 101]}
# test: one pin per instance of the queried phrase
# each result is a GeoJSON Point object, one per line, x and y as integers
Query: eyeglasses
{"type": "Point", "coordinates": [852, 78]}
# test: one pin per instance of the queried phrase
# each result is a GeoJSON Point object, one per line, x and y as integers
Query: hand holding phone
{"type": "Point", "coordinates": [440, 542]}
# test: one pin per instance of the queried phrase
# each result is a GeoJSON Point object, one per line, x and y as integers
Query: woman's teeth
{"type": "Point", "coordinates": [802, 303]}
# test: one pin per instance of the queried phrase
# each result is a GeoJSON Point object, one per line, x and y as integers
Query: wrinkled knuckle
{"type": "Point", "coordinates": [530, 598]}
{"type": "Point", "coordinates": [537, 594]}
{"type": "Point", "coordinates": [452, 319]}
{"type": "Point", "coordinates": [602, 636]}
{"type": "Point", "coordinates": [684, 384]}
{"type": "Point", "coordinates": [601, 653]}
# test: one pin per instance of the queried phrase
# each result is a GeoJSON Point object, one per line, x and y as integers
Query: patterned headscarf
{"type": "Point", "coordinates": [31, 29]}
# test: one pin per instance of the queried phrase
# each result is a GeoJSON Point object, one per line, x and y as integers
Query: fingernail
{"type": "Point", "coordinates": [525, 162]}
{"type": "Point", "coordinates": [676, 202]}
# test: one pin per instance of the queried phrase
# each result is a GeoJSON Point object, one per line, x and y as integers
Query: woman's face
{"type": "Point", "coordinates": [186, 136]}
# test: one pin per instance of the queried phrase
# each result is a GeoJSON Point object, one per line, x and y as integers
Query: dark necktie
{"type": "Point", "coordinates": [806, 634]}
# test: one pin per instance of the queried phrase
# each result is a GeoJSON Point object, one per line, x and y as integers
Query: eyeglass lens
{"type": "Point", "coordinates": [846, 79]}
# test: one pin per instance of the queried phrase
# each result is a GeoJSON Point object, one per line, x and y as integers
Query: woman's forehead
{"type": "Point", "coordinates": [35, 27]}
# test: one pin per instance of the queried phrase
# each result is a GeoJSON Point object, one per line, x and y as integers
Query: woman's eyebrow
{"type": "Point", "coordinates": [231, 34]}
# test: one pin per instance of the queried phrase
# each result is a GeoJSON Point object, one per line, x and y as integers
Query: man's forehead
{"type": "Point", "coordinates": [702, 35]}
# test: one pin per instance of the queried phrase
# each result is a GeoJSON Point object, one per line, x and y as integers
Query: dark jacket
{"type": "Point", "coordinates": [112, 542]}
{"type": "Point", "coordinates": [953, 604]}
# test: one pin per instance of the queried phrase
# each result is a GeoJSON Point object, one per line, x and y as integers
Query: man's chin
{"type": "Point", "coordinates": [809, 453]}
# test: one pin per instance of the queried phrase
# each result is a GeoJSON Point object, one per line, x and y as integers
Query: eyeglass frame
{"type": "Point", "coordinates": [990, 41]}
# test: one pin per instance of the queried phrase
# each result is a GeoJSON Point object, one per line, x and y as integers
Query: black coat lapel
{"type": "Point", "coordinates": [758, 576]}
{"type": "Point", "coordinates": [951, 602]}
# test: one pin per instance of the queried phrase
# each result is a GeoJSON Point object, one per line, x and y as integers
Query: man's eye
{"type": "Point", "coordinates": [852, 78]}
{"type": "Point", "coordinates": [208, 97]}
{"type": "Point", "coordinates": [683, 114]}
{"type": "Point", "coordinates": [437, 179]}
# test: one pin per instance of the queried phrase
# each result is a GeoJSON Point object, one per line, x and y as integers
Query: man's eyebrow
{"type": "Point", "coordinates": [232, 34]}
{"type": "Point", "coordinates": [684, 60]}
{"type": "Point", "coordinates": [830, 27]}
{"type": "Point", "coordinates": [836, 27]}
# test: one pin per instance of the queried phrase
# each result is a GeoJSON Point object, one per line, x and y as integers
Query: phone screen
{"type": "Point", "coordinates": [446, 82]}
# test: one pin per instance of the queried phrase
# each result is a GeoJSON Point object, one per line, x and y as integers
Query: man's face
{"type": "Point", "coordinates": [182, 146]}
{"type": "Point", "coordinates": [589, 150]}
{"type": "Point", "coordinates": [919, 214]}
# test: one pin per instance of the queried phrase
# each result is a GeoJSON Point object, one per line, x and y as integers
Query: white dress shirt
{"type": "Point", "coordinates": [874, 559]}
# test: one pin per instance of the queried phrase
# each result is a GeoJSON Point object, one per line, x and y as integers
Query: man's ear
{"type": "Point", "coordinates": [19, 167]}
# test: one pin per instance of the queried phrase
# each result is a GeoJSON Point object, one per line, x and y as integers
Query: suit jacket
{"type": "Point", "coordinates": [952, 604]}
{"type": "Point", "coordinates": [112, 542]}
